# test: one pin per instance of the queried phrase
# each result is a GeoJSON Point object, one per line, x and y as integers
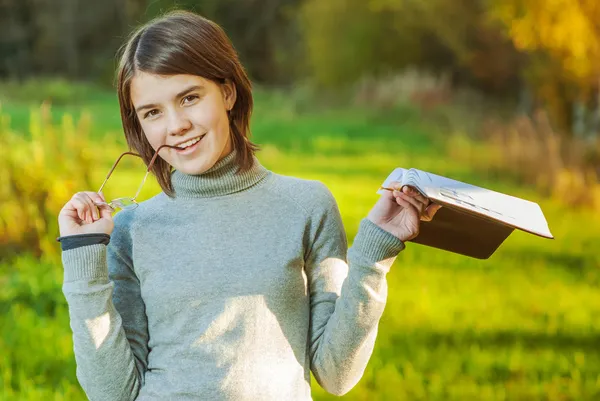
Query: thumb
{"type": "Point", "coordinates": [106, 212]}
{"type": "Point", "coordinates": [430, 212]}
{"type": "Point", "coordinates": [395, 186]}
{"type": "Point", "coordinates": [387, 197]}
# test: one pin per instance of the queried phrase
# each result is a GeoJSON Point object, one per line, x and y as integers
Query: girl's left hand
{"type": "Point", "coordinates": [400, 213]}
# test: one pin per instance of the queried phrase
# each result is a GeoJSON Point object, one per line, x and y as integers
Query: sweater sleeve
{"type": "Point", "coordinates": [348, 291]}
{"type": "Point", "coordinates": [107, 315]}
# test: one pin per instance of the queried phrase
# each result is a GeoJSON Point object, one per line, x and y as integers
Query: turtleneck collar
{"type": "Point", "coordinates": [221, 179]}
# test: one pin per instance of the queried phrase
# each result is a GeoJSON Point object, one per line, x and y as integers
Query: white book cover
{"type": "Point", "coordinates": [515, 212]}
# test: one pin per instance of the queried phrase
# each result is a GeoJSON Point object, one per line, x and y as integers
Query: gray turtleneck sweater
{"type": "Point", "coordinates": [235, 289]}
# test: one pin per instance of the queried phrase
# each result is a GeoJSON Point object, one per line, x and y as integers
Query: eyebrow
{"type": "Point", "coordinates": [180, 94]}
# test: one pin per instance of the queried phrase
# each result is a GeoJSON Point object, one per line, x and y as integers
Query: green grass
{"type": "Point", "coordinates": [17, 100]}
{"type": "Point", "coordinates": [523, 325]}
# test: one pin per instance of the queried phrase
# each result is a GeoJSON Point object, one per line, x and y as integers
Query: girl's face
{"type": "Point", "coordinates": [174, 109]}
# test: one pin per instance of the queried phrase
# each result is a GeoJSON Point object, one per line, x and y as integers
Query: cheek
{"type": "Point", "coordinates": [222, 122]}
{"type": "Point", "coordinates": [212, 116]}
{"type": "Point", "coordinates": [152, 132]}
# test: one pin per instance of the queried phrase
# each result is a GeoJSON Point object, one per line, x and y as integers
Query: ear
{"type": "Point", "coordinates": [229, 94]}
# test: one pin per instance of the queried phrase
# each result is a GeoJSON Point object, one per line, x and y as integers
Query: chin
{"type": "Point", "coordinates": [197, 167]}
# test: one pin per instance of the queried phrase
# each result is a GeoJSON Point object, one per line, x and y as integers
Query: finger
{"type": "Point", "coordinates": [419, 206]}
{"type": "Point", "coordinates": [106, 210]}
{"type": "Point", "coordinates": [95, 196]}
{"type": "Point", "coordinates": [104, 206]}
{"type": "Point", "coordinates": [405, 203]}
{"type": "Point", "coordinates": [430, 212]}
{"type": "Point", "coordinates": [408, 203]}
{"type": "Point", "coordinates": [101, 208]}
{"type": "Point", "coordinates": [416, 194]}
{"type": "Point", "coordinates": [91, 211]}
{"type": "Point", "coordinates": [79, 206]}
{"type": "Point", "coordinates": [390, 194]}
{"type": "Point", "coordinates": [69, 211]}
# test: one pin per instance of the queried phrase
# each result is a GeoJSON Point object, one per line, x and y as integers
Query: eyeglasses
{"type": "Point", "coordinates": [126, 202]}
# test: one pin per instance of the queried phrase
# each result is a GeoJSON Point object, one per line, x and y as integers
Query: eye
{"type": "Point", "coordinates": [151, 113]}
{"type": "Point", "coordinates": [190, 98]}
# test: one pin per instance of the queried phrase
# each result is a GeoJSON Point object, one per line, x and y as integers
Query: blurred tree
{"type": "Point", "coordinates": [263, 31]}
{"type": "Point", "coordinates": [341, 37]}
{"type": "Point", "coordinates": [545, 52]}
{"type": "Point", "coordinates": [346, 39]}
{"type": "Point", "coordinates": [73, 38]}
{"type": "Point", "coordinates": [16, 36]}
{"type": "Point", "coordinates": [79, 39]}
{"type": "Point", "coordinates": [562, 41]}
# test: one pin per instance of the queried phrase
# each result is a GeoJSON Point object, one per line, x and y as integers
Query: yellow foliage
{"type": "Point", "coordinates": [37, 176]}
{"type": "Point", "coordinates": [564, 29]}
{"type": "Point", "coordinates": [531, 150]}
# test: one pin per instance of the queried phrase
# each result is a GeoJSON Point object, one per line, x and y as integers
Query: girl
{"type": "Point", "coordinates": [235, 282]}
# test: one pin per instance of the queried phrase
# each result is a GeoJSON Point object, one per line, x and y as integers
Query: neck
{"type": "Point", "coordinates": [221, 179]}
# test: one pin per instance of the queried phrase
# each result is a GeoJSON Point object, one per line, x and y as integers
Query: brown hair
{"type": "Point", "coordinates": [181, 42]}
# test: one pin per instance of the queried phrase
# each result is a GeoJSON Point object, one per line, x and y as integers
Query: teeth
{"type": "Point", "coordinates": [190, 142]}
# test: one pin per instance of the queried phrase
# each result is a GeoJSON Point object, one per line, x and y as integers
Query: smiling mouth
{"type": "Point", "coordinates": [190, 143]}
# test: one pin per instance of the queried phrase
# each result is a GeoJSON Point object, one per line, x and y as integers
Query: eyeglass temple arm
{"type": "Point", "coordinates": [147, 171]}
{"type": "Point", "coordinates": [115, 166]}
{"type": "Point", "coordinates": [150, 166]}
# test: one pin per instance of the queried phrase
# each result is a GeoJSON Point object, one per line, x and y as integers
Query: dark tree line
{"type": "Point", "coordinates": [506, 48]}
{"type": "Point", "coordinates": [80, 38]}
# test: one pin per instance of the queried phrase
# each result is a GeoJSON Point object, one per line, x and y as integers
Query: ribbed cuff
{"type": "Point", "coordinates": [78, 240]}
{"type": "Point", "coordinates": [374, 243]}
{"type": "Point", "coordinates": [85, 263]}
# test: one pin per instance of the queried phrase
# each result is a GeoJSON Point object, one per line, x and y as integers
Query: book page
{"type": "Point", "coordinates": [511, 210]}
{"type": "Point", "coordinates": [395, 175]}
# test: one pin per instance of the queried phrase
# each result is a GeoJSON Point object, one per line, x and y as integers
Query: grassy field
{"type": "Point", "coordinates": [523, 325]}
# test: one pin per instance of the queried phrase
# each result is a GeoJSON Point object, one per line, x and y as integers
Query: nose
{"type": "Point", "coordinates": [178, 123]}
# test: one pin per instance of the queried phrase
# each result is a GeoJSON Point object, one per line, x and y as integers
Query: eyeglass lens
{"type": "Point", "coordinates": [124, 203]}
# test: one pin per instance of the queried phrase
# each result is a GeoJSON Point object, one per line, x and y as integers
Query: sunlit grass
{"type": "Point", "coordinates": [523, 325]}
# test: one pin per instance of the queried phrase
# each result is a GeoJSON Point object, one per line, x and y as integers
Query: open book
{"type": "Point", "coordinates": [473, 221]}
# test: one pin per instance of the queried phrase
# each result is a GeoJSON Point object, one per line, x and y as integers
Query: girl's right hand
{"type": "Point", "coordinates": [81, 216]}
